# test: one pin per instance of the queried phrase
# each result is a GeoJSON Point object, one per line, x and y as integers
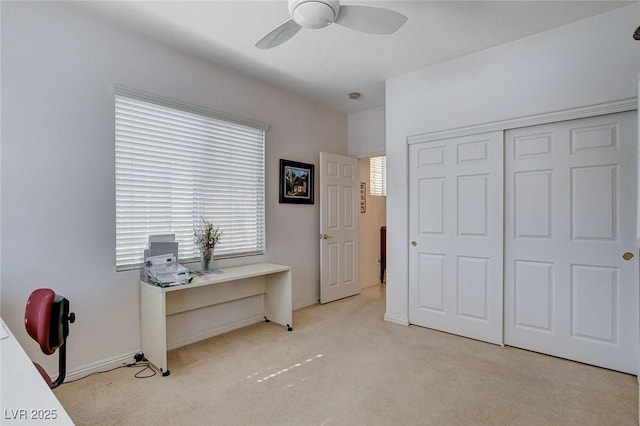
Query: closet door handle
{"type": "Point", "coordinates": [627, 256]}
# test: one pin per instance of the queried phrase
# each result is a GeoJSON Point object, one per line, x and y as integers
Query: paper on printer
{"type": "Point", "coordinates": [166, 270]}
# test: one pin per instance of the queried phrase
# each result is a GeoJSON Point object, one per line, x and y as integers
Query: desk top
{"type": "Point", "coordinates": [25, 397]}
{"type": "Point", "coordinates": [224, 275]}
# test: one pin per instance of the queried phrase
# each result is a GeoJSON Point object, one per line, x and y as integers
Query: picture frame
{"type": "Point", "coordinates": [363, 197]}
{"type": "Point", "coordinates": [296, 182]}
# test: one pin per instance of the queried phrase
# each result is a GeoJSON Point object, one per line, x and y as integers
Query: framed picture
{"type": "Point", "coordinates": [296, 182]}
{"type": "Point", "coordinates": [363, 197]}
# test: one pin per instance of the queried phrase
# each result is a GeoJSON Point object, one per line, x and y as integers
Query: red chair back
{"type": "Point", "coordinates": [47, 319]}
{"type": "Point", "coordinates": [37, 317]}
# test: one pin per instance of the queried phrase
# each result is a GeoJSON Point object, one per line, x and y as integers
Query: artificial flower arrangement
{"type": "Point", "coordinates": [207, 236]}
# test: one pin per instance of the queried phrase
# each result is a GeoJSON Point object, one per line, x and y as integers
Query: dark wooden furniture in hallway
{"type": "Point", "coordinates": [383, 251]}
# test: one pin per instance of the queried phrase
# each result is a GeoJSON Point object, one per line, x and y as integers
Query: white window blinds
{"type": "Point", "coordinates": [177, 164]}
{"type": "Point", "coordinates": [378, 176]}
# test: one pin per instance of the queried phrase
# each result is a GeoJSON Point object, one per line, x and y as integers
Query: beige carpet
{"type": "Point", "coordinates": [343, 365]}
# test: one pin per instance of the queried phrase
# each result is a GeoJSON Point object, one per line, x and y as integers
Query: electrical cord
{"type": "Point", "coordinates": [147, 366]}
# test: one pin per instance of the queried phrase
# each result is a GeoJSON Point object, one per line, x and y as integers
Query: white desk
{"type": "Point", "coordinates": [157, 303]}
{"type": "Point", "coordinates": [25, 397]}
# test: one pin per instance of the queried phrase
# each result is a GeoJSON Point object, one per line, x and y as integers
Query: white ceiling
{"type": "Point", "coordinates": [326, 64]}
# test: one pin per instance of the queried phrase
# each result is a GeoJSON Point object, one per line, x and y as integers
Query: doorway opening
{"type": "Point", "coordinates": [372, 222]}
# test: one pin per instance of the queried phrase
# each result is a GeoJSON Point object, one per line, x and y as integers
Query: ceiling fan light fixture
{"type": "Point", "coordinates": [313, 14]}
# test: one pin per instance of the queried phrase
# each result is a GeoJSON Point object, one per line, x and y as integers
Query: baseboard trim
{"type": "Point", "coordinates": [305, 304]}
{"type": "Point", "coordinates": [396, 319]}
{"type": "Point", "coordinates": [100, 366]}
{"type": "Point", "coordinates": [215, 332]}
{"type": "Point", "coordinates": [364, 286]}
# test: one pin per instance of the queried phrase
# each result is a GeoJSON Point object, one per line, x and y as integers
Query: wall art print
{"type": "Point", "coordinates": [296, 182]}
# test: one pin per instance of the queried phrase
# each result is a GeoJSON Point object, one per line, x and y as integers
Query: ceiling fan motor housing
{"type": "Point", "coordinates": [314, 13]}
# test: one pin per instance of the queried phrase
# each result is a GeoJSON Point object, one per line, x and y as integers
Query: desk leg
{"type": "Point", "coordinates": [153, 327]}
{"type": "Point", "coordinates": [277, 299]}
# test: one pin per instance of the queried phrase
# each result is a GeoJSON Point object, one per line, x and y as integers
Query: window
{"type": "Point", "coordinates": [177, 164]}
{"type": "Point", "coordinates": [378, 176]}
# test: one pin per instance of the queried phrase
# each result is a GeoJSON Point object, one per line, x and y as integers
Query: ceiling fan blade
{"type": "Point", "coordinates": [371, 20]}
{"type": "Point", "coordinates": [278, 36]}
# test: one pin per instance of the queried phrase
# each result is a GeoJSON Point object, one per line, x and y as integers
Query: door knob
{"type": "Point", "coordinates": [413, 243]}
{"type": "Point", "coordinates": [325, 236]}
{"type": "Point", "coordinates": [627, 256]}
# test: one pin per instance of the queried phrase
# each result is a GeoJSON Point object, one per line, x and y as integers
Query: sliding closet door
{"type": "Point", "coordinates": [571, 262]}
{"type": "Point", "coordinates": [456, 228]}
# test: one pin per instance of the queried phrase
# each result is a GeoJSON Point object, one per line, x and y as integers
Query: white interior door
{"type": "Point", "coordinates": [339, 201]}
{"type": "Point", "coordinates": [456, 224]}
{"type": "Point", "coordinates": [570, 218]}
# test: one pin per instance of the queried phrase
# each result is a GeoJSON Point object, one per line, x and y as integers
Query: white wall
{"type": "Point", "coordinates": [585, 63]}
{"type": "Point", "coordinates": [367, 133]}
{"type": "Point", "coordinates": [57, 168]}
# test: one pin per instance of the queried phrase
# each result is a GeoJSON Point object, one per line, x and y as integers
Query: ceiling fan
{"type": "Point", "coordinates": [316, 14]}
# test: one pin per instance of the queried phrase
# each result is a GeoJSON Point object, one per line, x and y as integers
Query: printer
{"type": "Point", "coordinates": [161, 265]}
